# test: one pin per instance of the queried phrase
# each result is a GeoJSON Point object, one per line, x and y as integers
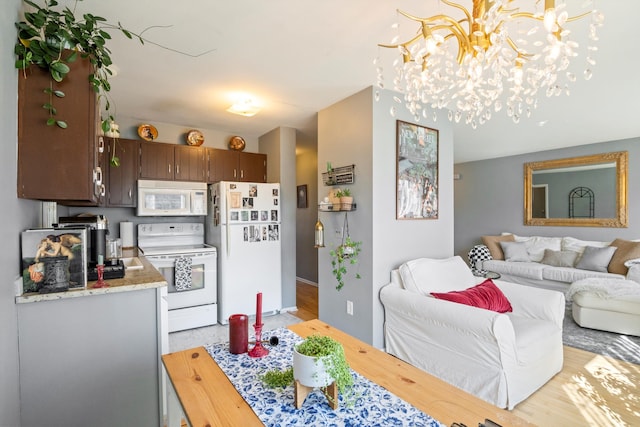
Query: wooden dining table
{"type": "Point", "coordinates": [207, 398]}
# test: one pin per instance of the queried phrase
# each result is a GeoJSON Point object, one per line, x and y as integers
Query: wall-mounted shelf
{"type": "Point", "coordinates": [329, 208]}
{"type": "Point", "coordinates": [339, 176]}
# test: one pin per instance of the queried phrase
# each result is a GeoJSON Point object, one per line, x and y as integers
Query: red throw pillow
{"type": "Point", "coordinates": [485, 295]}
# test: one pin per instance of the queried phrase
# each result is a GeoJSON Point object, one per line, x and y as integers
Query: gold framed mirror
{"type": "Point", "coordinates": [588, 191]}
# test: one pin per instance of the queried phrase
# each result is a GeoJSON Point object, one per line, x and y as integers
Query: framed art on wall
{"type": "Point", "coordinates": [54, 259]}
{"type": "Point", "coordinates": [416, 171]}
{"type": "Point", "coordinates": [302, 196]}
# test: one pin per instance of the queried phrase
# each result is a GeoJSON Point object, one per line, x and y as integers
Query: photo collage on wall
{"type": "Point", "coordinates": [253, 207]}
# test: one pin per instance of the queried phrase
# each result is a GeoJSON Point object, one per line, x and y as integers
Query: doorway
{"type": "Point", "coordinates": [540, 202]}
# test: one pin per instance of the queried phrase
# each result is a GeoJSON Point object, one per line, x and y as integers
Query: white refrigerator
{"type": "Point", "coordinates": [243, 222]}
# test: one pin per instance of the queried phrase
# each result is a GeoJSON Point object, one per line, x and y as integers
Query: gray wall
{"type": "Point", "coordinates": [359, 130]}
{"type": "Point", "coordinates": [306, 254]}
{"type": "Point", "coordinates": [489, 197]}
{"type": "Point", "coordinates": [280, 147]}
{"type": "Point", "coordinates": [16, 215]}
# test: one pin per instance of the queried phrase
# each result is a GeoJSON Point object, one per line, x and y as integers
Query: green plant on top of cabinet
{"type": "Point", "coordinates": [54, 164]}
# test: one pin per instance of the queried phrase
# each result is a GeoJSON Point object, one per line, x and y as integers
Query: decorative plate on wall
{"type": "Point", "coordinates": [195, 138]}
{"type": "Point", "coordinates": [147, 132]}
{"type": "Point", "coordinates": [237, 143]}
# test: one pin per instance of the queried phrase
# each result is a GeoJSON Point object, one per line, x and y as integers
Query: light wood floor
{"type": "Point", "coordinates": [591, 390]}
{"type": "Point", "coordinates": [306, 301]}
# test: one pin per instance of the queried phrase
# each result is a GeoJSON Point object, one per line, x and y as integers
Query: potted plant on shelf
{"type": "Point", "coordinates": [52, 39]}
{"type": "Point", "coordinates": [334, 198]}
{"type": "Point", "coordinates": [344, 255]}
{"type": "Point", "coordinates": [346, 200]}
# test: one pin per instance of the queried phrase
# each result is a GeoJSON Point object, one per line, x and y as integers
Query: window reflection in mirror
{"type": "Point", "coordinates": [580, 191]}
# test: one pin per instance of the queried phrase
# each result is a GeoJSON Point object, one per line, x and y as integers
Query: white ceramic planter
{"type": "Point", "coordinates": [310, 371]}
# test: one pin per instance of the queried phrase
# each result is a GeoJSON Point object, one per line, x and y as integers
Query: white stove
{"type": "Point", "coordinates": [189, 265]}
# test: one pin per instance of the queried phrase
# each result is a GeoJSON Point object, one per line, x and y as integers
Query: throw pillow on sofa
{"type": "Point", "coordinates": [559, 258]}
{"type": "Point", "coordinates": [596, 259]}
{"type": "Point", "coordinates": [626, 250]}
{"type": "Point", "coordinates": [485, 295]}
{"type": "Point", "coordinates": [515, 251]}
{"type": "Point", "coordinates": [493, 243]}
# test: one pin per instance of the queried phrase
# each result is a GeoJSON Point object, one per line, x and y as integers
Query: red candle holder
{"type": "Point", "coordinates": [100, 283]}
{"type": "Point", "coordinates": [258, 350]}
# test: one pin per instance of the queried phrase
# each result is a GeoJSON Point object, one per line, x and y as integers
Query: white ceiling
{"type": "Point", "coordinates": [297, 57]}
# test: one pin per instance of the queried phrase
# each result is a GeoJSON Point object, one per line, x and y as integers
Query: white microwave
{"type": "Point", "coordinates": [171, 198]}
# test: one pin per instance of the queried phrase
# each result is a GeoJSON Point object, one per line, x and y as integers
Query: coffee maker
{"type": "Point", "coordinates": [97, 230]}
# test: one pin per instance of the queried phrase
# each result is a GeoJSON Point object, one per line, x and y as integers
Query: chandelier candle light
{"type": "Point", "coordinates": [505, 56]}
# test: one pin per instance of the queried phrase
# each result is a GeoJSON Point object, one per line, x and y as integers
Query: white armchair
{"type": "Point", "coordinates": [499, 357]}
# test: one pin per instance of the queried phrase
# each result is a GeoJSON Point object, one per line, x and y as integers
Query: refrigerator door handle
{"type": "Point", "coordinates": [228, 218]}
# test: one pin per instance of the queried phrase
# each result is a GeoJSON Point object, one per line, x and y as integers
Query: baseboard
{"type": "Point", "coordinates": [308, 282]}
{"type": "Point", "coordinates": [288, 309]}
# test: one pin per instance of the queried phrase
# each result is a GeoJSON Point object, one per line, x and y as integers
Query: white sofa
{"type": "Point", "coordinates": [538, 271]}
{"type": "Point", "coordinates": [499, 357]}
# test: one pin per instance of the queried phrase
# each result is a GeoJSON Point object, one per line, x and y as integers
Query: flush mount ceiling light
{"type": "Point", "coordinates": [244, 107]}
{"type": "Point", "coordinates": [505, 56]}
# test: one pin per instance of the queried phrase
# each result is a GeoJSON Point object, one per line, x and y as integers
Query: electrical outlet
{"type": "Point", "coordinates": [350, 307]}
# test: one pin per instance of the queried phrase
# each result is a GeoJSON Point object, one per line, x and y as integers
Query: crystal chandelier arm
{"type": "Point", "coordinates": [428, 27]}
{"type": "Point", "coordinates": [462, 8]}
{"type": "Point", "coordinates": [538, 17]}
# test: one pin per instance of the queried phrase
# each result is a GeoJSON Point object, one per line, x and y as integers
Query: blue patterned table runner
{"type": "Point", "coordinates": [373, 405]}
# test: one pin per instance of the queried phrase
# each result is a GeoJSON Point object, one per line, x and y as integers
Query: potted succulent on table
{"type": "Point", "coordinates": [318, 362]}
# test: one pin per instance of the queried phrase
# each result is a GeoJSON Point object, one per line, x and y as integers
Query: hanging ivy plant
{"type": "Point", "coordinates": [53, 39]}
{"type": "Point", "coordinates": [344, 255]}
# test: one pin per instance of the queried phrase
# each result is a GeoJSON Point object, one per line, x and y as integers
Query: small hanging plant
{"type": "Point", "coordinates": [344, 255]}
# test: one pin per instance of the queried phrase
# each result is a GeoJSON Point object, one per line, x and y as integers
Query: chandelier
{"type": "Point", "coordinates": [504, 57]}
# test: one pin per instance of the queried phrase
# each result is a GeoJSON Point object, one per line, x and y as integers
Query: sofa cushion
{"type": "Point", "coordinates": [485, 295]}
{"type": "Point", "coordinates": [515, 251]}
{"type": "Point", "coordinates": [536, 246]}
{"type": "Point", "coordinates": [626, 250]}
{"type": "Point", "coordinates": [426, 275]}
{"type": "Point", "coordinates": [596, 259]}
{"type": "Point", "coordinates": [529, 270]}
{"type": "Point", "coordinates": [570, 275]}
{"type": "Point", "coordinates": [577, 245]}
{"type": "Point", "coordinates": [493, 243]}
{"type": "Point", "coordinates": [559, 258]}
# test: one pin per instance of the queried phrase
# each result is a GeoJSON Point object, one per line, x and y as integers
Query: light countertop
{"type": "Point", "coordinates": [134, 279]}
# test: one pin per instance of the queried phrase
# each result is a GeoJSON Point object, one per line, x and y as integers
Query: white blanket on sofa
{"type": "Point", "coordinates": [604, 288]}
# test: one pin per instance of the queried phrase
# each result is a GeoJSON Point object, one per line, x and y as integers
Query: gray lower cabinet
{"type": "Point", "coordinates": [91, 360]}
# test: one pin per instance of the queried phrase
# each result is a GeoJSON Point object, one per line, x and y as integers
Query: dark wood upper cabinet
{"type": "Point", "coordinates": [122, 180]}
{"type": "Point", "coordinates": [172, 162]}
{"type": "Point", "coordinates": [156, 160]}
{"type": "Point", "coordinates": [253, 167]}
{"type": "Point", "coordinates": [228, 165]}
{"type": "Point", "coordinates": [57, 164]}
{"type": "Point", "coordinates": [190, 163]}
